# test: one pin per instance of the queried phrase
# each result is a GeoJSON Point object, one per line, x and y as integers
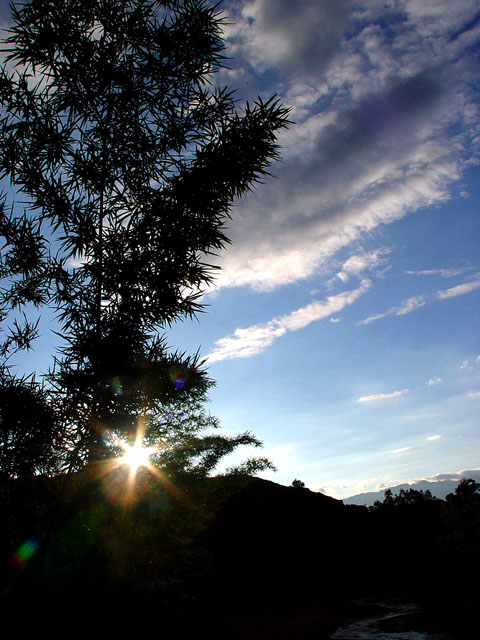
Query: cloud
{"type": "Point", "coordinates": [433, 381]}
{"type": "Point", "coordinates": [473, 395]}
{"type": "Point", "coordinates": [383, 396]}
{"type": "Point", "coordinates": [413, 303]}
{"type": "Point", "coordinates": [296, 37]}
{"type": "Point", "coordinates": [433, 438]}
{"type": "Point", "coordinates": [456, 475]}
{"type": "Point", "coordinates": [401, 450]}
{"type": "Point", "coordinates": [444, 273]}
{"type": "Point", "coordinates": [252, 340]}
{"type": "Point", "coordinates": [360, 262]}
{"type": "Point", "coordinates": [459, 290]}
{"type": "Point", "coordinates": [372, 144]}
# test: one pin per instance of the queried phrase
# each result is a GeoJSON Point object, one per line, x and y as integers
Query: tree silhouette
{"type": "Point", "coordinates": [465, 491]}
{"type": "Point", "coordinates": [404, 498]}
{"type": "Point", "coordinates": [127, 160]}
{"type": "Point", "coordinates": [27, 428]}
{"type": "Point", "coordinates": [298, 484]}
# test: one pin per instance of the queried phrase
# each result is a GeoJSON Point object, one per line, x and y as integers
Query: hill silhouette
{"type": "Point", "coordinates": [235, 556]}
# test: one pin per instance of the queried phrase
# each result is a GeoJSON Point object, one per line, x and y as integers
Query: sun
{"type": "Point", "coordinates": [136, 455]}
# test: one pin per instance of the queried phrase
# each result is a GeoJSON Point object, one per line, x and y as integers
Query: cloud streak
{"type": "Point", "coordinates": [459, 290]}
{"type": "Point", "coordinates": [413, 303]}
{"type": "Point", "coordinates": [383, 396]}
{"type": "Point", "coordinates": [252, 340]}
{"type": "Point", "coordinates": [444, 273]}
{"type": "Point", "coordinates": [416, 302]}
{"type": "Point", "coordinates": [400, 450]}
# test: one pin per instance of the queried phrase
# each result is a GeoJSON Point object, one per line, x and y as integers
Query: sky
{"type": "Point", "coordinates": [343, 327]}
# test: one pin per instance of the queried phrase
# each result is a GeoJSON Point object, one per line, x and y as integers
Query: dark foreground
{"type": "Point", "coordinates": [233, 558]}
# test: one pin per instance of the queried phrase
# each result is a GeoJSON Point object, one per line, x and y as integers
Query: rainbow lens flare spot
{"type": "Point", "coordinates": [178, 375]}
{"type": "Point", "coordinates": [25, 552]}
{"type": "Point", "coordinates": [123, 386]}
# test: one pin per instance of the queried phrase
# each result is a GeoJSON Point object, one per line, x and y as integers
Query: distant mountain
{"type": "Point", "coordinates": [439, 489]}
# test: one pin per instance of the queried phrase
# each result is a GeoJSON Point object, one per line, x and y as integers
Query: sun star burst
{"type": "Point", "coordinates": [136, 455]}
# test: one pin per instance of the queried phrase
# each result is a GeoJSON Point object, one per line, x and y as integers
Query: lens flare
{"type": "Point", "coordinates": [136, 455]}
{"type": "Point", "coordinates": [25, 552]}
{"type": "Point", "coordinates": [123, 386]}
{"type": "Point", "coordinates": [178, 375]}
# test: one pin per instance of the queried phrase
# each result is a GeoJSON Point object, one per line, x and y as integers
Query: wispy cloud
{"type": "Point", "coordinates": [415, 302]}
{"type": "Point", "coordinates": [250, 341]}
{"type": "Point", "coordinates": [400, 450]}
{"type": "Point", "coordinates": [459, 290]}
{"type": "Point", "coordinates": [474, 395]}
{"type": "Point", "coordinates": [444, 273]}
{"type": "Point", "coordinates": [433, 381]}
{"type": "Point", "coordinates": [383, 396]}
{"type": "Point", "coordinates": [433, 438]}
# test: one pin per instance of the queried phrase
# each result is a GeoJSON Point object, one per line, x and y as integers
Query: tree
{"type": "Point", "coordinates": [298, 484]}
{"type": "Point", "coordinates": [465, 491]}
{"type": "Point", "coordinates": [405, 497]}
{"type": "Point", "coordinates": [128, 160]}
{"type": "Point", "coordinates": [27, 428]}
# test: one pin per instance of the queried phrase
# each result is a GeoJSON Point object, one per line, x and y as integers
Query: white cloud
{"type": "Point", "coordinates": [360, 262]}
{"type": "Point", "coordinates": [444, 273]}
{"type": "Point", "coordinates": [437, 17]}
{"type": "Point", "coordinates": [459, 290]}
{"type": "Point", "coordinates": [474, 395]}
{"type": "Point", "coordinates": [401, 450]}
{"type": "Point", "coordinates": [433, 438]}
{"type": "Point", "coordinates": [372, 142]}
{"type": "Point", "coordinates": [255, 339]}
{"type": "Point", "coordinates": [456, 475]}
{"type": "Point", "coordinates": [383, 396]}
{"type": "Point", "coordinates": [434, 381]}
{"type": "Point", "coordinates": [335, 320]}
{"type": "Point", "coordinates": [413, 303]}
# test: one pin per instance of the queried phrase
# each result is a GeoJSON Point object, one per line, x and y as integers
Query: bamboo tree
{"type": "Point", "coordinates": [127, 159]}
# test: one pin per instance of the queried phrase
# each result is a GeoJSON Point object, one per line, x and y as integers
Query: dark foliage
{"type": "Point", "coordinates": [28, 428]}
{"type": "Point", "coordinates": [298, 484]}
{"type": "Point", "coordinates": [403, 498]}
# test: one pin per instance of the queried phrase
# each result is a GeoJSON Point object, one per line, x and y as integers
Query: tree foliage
{"type": "Point", "coordinates": [298, 484]}
{"type": "Point", "coordinates": [27, 428]}
{"type": "Point", "coordinates": [404, 498]}
{"type": "Point", "coordinates": [127, 159]}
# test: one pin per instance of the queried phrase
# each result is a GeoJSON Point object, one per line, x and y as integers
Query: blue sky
{"type": "Point", "coordinates": [343, 327]}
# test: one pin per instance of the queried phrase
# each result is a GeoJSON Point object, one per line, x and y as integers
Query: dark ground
{"type": "Point", "coordinates": [232, 557]}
